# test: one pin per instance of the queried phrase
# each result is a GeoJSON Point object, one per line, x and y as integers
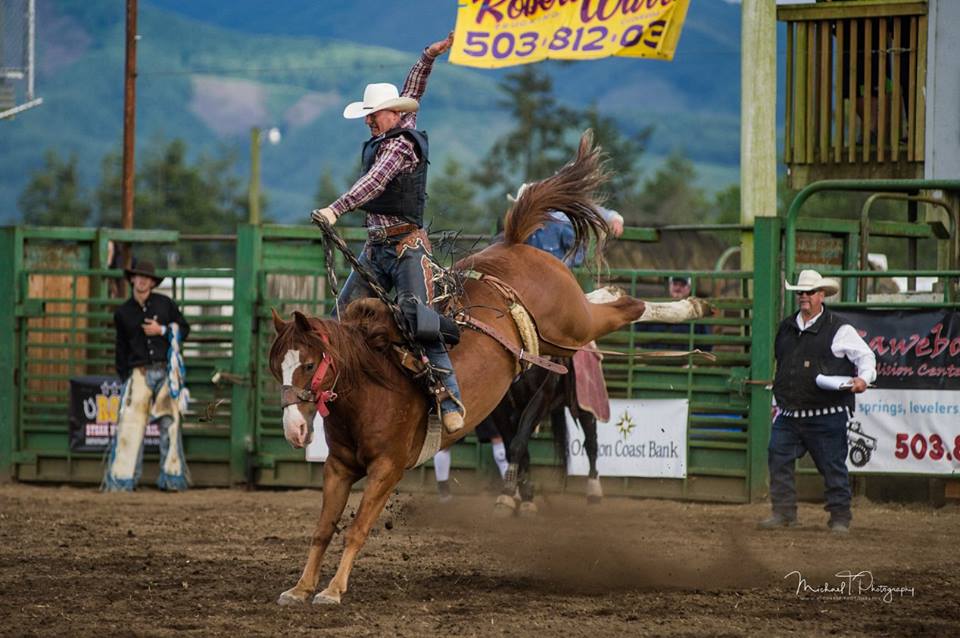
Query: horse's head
{"type": "Point", "coordinates": [301, 362]}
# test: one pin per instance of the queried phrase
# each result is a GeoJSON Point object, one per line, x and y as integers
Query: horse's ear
{"type": "Point", "coordinates": [278, 323]}
{"type": "Point", "coordinates": [302, 322]}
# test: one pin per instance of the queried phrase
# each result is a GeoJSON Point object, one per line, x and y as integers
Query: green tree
{"type": "Point", "coordinates": [726, 205]}
{"type": "Point", "coordinates": [452, 202]}
{"type": "Point", "coordinates": [109, 192]}
{"type": "Point", "coordinates": [545, 136]}
{"type": "Point", "coordinates": [624, 151]}
{"type": "Point", "coordinates": [540, 141]}
{"type": "Point", "coordinates": [205, 197]}
{"type": "Point", "coordinates": [669, 197]}
{"type": "Point", "coordinates": [54, 196]}
{"type": "Point", "coordinates": [327, 190]}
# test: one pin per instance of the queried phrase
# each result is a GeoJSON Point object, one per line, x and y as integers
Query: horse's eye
{"type": "Point", "coordinates": [309, 366]}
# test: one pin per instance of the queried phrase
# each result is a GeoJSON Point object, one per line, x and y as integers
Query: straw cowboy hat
{"type": "Point", "coordinates": [380, 97]}
{"type": "Point", "coordinates": [144, 268]}
{"type": "Point", "coordinates": [811, 281]}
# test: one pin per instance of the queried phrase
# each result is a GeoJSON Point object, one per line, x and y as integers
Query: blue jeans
{"type": "Point", "coordinates": [825, 438]}
{"type": "Point", "coordinates": [403, 265]}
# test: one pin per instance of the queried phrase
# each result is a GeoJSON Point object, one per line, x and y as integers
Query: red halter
{"type": "Point", "coordinates": [323, 396]}
{"type": "Point", "coordinates": [291, 394]}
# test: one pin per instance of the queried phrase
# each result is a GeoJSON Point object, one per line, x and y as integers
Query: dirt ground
{"type": "Point", "coordinates": [74, 562]}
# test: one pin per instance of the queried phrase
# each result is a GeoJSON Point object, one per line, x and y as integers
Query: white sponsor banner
{"type": "Point", "coordinates": [317, 451]}
{"type": "Point", "coordinates": [906, 431]}
{"type": "Point", "coordinates": [645, 438]}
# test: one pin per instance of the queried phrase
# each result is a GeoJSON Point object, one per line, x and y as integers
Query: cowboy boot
{"type": "Point", "coordinates": [452, 422]}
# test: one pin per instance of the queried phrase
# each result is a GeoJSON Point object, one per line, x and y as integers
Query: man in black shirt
{"type": "Point", "coordinates": [150, 329]}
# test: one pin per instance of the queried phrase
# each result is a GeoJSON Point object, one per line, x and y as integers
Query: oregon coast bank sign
{"type": "Point", "coordinates": [643, 438]}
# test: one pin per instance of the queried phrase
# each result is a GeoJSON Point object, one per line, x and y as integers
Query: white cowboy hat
{"type": "Point", "coordinates": [810, 280]}
{"type": "Point", "coordinates": [380, 97]}
{"type": "Point", "coordinates": [512, 198]}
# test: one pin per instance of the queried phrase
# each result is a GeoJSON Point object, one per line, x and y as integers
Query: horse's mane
{"type": "Point", "coordinates": [355, 346]}
{"type": "Point", "coordinates": [571, 190]}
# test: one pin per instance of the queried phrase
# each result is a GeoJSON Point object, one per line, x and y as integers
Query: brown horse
{"type": "Point", "coordinates": [378, 414]}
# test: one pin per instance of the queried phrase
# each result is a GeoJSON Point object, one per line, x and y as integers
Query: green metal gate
{"type": "Point", "coordinates": [59, 324]}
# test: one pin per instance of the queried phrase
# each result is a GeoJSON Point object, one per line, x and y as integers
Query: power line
{"type": "Point", "coordinates": [259, 70]}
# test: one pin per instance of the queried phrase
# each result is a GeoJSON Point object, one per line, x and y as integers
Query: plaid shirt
{"type": "Point", "coordinates": [395, 156]}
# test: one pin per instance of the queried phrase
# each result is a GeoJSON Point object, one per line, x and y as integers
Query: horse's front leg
{"type": "Point", "coordinates": [383, 475]}
{"type": "Point", "coordinates": [337, 480]}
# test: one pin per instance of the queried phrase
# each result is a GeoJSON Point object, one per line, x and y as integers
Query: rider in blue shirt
{"type": "Point", "coordinates": [557, 236]}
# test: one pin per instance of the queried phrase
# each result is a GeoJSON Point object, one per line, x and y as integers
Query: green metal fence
{"type": "Point", "coordinates": [61, 322]}
{"type": "Point", "coordinates": [57, 322]}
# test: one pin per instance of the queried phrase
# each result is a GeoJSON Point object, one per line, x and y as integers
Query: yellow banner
{"type": "Point", "coordinates": [498, 33]}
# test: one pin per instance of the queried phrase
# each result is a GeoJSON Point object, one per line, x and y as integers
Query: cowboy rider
{"type": "Point", "coordinates": [392, 192]}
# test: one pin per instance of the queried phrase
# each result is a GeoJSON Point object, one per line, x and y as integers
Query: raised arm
{"type": "Point", "coordinates": [416, 83]}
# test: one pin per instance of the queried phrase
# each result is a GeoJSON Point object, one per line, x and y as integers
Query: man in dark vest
{"type": "Point", "coordinates": [821, 363]}
{"type": "Point", "coordinates": [393, 192]}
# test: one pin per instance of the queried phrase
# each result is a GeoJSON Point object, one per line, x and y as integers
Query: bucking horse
{"type": "Point", "coordinates": [377, 420]}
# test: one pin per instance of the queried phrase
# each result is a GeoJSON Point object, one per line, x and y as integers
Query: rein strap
{"type": "Point", "coordinates": [516, 351]}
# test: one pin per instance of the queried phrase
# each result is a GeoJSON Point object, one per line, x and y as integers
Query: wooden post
{"type": "Point", "coordinates": [129, 124]}
{"type": "Point", "coordinates": [758, 121]}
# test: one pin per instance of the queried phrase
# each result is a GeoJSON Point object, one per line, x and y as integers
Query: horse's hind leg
{"type": "Point", "coordinates": [534, 411]}
{"type": "Point", "coordinates": [527, 506]}
{"type": "Point", "coordinates": [383, 476]}
{"type": "Point", "coordinates": [609, 316]}
{"type": "Point", "coordinates": [589, 424]}
{"type": "Point", "coordinates": [337, 481]}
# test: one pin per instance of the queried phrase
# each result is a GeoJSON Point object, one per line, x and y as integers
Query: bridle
{"type": "Point", "coordinates": [292, 394]}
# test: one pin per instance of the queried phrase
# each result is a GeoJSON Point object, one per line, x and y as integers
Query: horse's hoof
{"type": "Point", "coordinates": [503, 512]}
{"type": "Point", "coordinates": [605, 295]}
{"type": "Point", "coordinates": [701, 307]}
{"type": "Point", "coordinates": [288, 598]}
{"type": "Point", "coordinates": [505, 506]}
{"type": "Point", "coordinates": [323, 598]}
{"type": "Point", "coordinates": [528, 509]}
{"type": "Point", "coordinates": [594, 491]}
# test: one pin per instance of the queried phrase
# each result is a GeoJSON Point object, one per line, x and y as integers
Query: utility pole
{"type": "Point", "coordinates": [253, 193]}
{"type": "Point", "coordinates": [129, 124]}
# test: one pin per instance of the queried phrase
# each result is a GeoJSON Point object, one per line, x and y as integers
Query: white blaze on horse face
{"type": "Point", "coordinates": [294, 425]}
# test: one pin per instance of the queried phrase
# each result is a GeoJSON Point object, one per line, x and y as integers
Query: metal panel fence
{"type": "Point", "coordinates": [59, 311]}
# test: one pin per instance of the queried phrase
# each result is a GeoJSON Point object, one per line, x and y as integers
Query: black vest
{"type": "Point", "coordinates": [406, 194]}
{"type": "Point", "coordinates": [801, 356]}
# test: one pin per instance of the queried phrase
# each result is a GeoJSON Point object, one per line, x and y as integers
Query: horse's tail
{"type": "Point", "coordinates": [571, 190]}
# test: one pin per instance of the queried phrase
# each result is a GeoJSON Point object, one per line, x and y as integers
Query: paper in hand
{"type": "Point", "coordinates": [836, 382]}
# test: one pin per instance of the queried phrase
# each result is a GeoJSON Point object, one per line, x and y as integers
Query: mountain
{"type": "Point", "coordinates": [209, 70]}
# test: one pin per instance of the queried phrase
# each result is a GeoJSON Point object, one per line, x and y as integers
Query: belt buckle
{"type": "Point", "coordinates": [377, 235]}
